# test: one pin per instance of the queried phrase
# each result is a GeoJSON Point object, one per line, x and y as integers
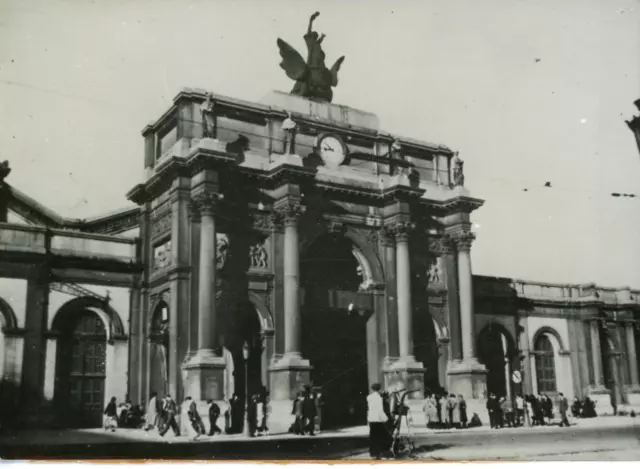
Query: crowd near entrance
{"type": "Point", "coordinates": [81, 370]}
{"type": "Point", "coordinates": [334, 336]}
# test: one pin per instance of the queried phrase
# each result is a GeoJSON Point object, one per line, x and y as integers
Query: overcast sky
{"type": "Point", "coordinates": [529, 91]}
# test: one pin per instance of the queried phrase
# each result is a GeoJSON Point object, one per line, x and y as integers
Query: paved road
{"type": "Point", "coordinates": [610, 442]}
{"type": "Point", "coordinates": [606, 439]}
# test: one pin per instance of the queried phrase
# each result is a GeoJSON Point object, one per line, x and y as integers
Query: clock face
{"type": "Point", "coordinates": [331, 150]}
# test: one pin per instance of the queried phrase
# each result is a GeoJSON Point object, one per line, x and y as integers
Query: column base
{"type": "Point", "coordinates": [288, 375]}
{"type": "Point", "coordinates": [203, 376]}
{"type": "Point", "coordinates": [469, 378]}
{"type": "Point", "coordinates": [405, 373]}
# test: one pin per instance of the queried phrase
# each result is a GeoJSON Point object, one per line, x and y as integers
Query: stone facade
{"type": "Point", "coordinates": [253, 238]}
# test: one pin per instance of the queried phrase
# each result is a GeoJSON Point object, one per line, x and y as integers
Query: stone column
{"type": "Point", "coordinates": [406, 371]}
{"type": "Point", "coordinates": [194, 214]}
{"type": "Point", "coordinates": [598, 393]}
{"type": "Point", "coordinates": [467, 376]}
{"type": "Point", "coordinates": [596, 354]}
{"type": "Point", "coordinates": [632, 357]}
{"type": "Point", "coordinates": [465, 284]}
{"type": "Point", "coordinates": [205, 369]}
{"type": "Point", "coordinates": [292, 325]}
{"type": "Point", "coordinates": [291, 371]}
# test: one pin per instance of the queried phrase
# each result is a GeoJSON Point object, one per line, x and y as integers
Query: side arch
{"type": "Point", "coordinates": [109, 316]}
{"type": "Point", "coordinates": [493, 327]}
{"type": "Point", "coordinates": [266, 320]}
{"type": "Point", "coordinates": [9, 319]}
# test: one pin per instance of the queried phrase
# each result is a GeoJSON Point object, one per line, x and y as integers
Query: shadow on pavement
{"type": "Point", "coordinates": [120, 448]}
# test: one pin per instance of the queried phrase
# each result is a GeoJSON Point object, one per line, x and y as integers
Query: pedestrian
{"type": "Point", "coordinates": [548, 408]}
{"type": "Point", "coordinates": [194, 417]}
{"type": "Point", "coordinates": [214, 414]}
{"type": "Point", "coordinates": [151, 419]}
{"type": "Point", "coordinates": [507, 413]}
{"type": "Point", "coordinates": [519, 410]}
{"type": "Point", "coordinates": [454, 411]}
{"type": "Point", "coordinates": [430, 409]}
{"type": "Point", "coordinates": [379, 437]}
{"type": "Point", "coordinates": [319, 403]}
{"type": "Point", "coordinates": [298, 423]}
{"type": "Point", "coordinates": [444, 411]}
{"type": "Point", "coordinates": [563, 406]}
{"type": "Point", "coordinates": [170, 410]}
{"type": "Point", "coordinates": [462, 404]}
{"type": "Point", "coordinates": [492, 409]}
{"type": "Point", "coordinates": [309, 411]}
{"type": "Point", "coordinates": [111, 416]}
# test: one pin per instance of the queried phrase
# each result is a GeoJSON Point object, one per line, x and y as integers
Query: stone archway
{"type": "Point", "coordinates": [336, 307]}
{"type": "Point", "coordinates": [496, 349]}
{"type": "Point", "coordinates": [430, 346]}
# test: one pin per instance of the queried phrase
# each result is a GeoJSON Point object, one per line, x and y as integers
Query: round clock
{"type": "Point", "coordinates": [331, 150]}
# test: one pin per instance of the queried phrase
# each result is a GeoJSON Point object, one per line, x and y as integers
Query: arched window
{"type": "Point", "coordinates": [545, 365]}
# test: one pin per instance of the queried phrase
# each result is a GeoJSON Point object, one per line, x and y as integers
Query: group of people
{"type": "Point", "coordinates": [445, 411]}
{"type": "Point", "coordinates": [527, 410]}
{"type": "Point", "coordinates": [307, 412]}
{"type": "Point", "coordinates": [123, 415]}
{"type": "Point", "coordinates": [258, 414]}
{"type": "Point", "coordinates": [585, 408]}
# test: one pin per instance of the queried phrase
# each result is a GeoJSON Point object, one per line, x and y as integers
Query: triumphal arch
{"type": "Point", "coordinates": [292, 241]}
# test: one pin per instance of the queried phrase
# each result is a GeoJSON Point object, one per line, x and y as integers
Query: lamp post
{"type": "Point", "coordinates": [245, 355]}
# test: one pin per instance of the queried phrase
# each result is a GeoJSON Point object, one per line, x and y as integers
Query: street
{"type": "Point", "coordinates": [614, 439]}
{"type": "Point", "coordinates": [606, 438]}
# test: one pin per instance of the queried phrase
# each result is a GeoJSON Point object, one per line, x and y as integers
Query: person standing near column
{"type": "Point", "coordinates": [377, 418]}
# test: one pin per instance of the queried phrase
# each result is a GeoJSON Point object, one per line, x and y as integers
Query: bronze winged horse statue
{"type": "Point", "coordinates": [313, 79]}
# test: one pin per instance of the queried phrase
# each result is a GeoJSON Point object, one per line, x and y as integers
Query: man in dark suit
{"type": "Point", "coordinates": [563, 406]}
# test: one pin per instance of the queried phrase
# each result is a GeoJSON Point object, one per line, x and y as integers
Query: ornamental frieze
{"type": "Point", "coordinates": [161, 224]}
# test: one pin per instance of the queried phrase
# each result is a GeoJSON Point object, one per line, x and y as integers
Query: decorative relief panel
{"type": "Point", "coordinates": [161, 224]}
{"type": "Point", "coordinates": [162, 256]}
{"type": "Point", "coordinates": [258, 257]}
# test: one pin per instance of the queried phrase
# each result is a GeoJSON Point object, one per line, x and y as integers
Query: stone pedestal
{"type": "Point", "coordinates": [633, 398]}
{"type": "Point", "coordinates": [287, 377]}
{"type": "Point", "coordinates": [469, 378]}
{"type": "Point", "coordinates": [203, 376]}
{"type": "Point", "coordinates": [405, 374]}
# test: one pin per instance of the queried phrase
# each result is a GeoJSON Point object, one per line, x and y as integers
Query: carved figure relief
{"type": "Point", "coordinates": [458, 171]}
{"type": "Point", "coordinates": [364, 272]}
{"type": "Point", "coordinates": [434, 273]}
{"type": "Point", "coordinates": [222, 250]}
{"type": "Point", "coordinates": [258, 258]}
{"type": "Point", "coordinates": [162, 256]}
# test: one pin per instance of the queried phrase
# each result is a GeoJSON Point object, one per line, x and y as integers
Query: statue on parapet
{"type": "Point", "coordinates": [458, 170]}
{"type": "Point", "coordinates": [313, 79]}
{"type": "Point", "coordinates": [4, 170]}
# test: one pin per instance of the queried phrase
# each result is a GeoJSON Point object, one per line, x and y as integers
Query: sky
{"type": "Point", "coordinates": [528, 92]}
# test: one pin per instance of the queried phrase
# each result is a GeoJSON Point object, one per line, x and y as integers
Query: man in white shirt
{"type": "Point", "coordinates": [519, 410]}
{"type": "Point", "coordinates": [377, 418]}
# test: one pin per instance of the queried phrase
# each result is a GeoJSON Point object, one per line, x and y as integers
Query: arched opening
{"type": "Point", "coordinates": [427, 350]}
{"type": "Point", "coordinates": [334, 336]}
{"type": "Point", "coordinates": [245, 376]}
{"type": "Point", "coordinates": [545, 365]}
{"type": "Point", "coordinates": [81, 369]}
{"type": "Point", "coordinates": [495, 349]}
{"type": "Point", "coordinates": [159, 350]}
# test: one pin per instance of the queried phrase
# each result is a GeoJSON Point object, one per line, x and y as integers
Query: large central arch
{"type": "Point", "coordinates": [335, 276]}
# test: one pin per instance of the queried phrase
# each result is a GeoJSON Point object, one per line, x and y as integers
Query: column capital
{"type": "Point", "coordinates": [194, 211]}
{"type": "Point", "coordinates": [207, 203]}
{"type": "Point", "coordinates": [462, 240]}
{"type": "Point", "coordinates": [400, 230]}
{"type": "Point", "coordinates": [289, 212]}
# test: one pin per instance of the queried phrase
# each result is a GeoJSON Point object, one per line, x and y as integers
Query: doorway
{"type": "Point", "coordinates": [494, 350]}
{"type": "Point", "coordinates": [81, 371]}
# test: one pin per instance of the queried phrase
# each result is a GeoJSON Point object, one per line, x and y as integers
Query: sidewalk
{"type": "Point", "coordinates": [99, 436]}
